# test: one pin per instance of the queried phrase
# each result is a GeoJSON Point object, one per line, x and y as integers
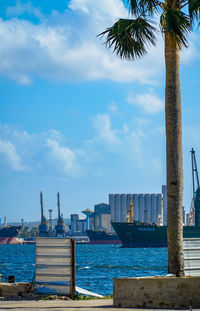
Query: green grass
{"type": "Point", "coordinates": [77, 297]}
{"type": "Point", "coordinates": [48, 298]}
{"type": "Point", "coordinates": [83, 297]}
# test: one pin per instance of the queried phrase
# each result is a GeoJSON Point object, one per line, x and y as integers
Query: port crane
{"type": "Point", "coordinates": [196, 188]}
{"type": "Point", "coordinates": [60, 228]}
{"type": "Point", "coordinates": [43, 227]}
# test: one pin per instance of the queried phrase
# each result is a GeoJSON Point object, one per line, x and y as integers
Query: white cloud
{"type": "Point", "coordinates": [129, 143]}
{"type": "Point", "coordinates": [56, 49]}
{"type": "Point", "coordinates": [125, 128]}
{"type": "Point", "coordinates": [21, 8]}
{"type": "Point", "coordinates": [141, 121]}
{"type": "Point", "coordinates": [64, 158]}
{"type": "Point", "coordinates": [8, 150]}
{"type": "Point", "coordinates": [190, 54]}
{"type": "Point", "coordinates": [149, 102]}
{"type": "Point", "coordinates": [106, 10]}
{"type": "Point", "coordinates": [113, 107]}
{"type": "Point", "coordinates": [125, 142]}
{"type": "Point", "coordinates": [102, 125]}
{"type": "Point", "coordinates": [65, 47]}
{"type": "Point", "coordinates": [116, 139]}
{"type": "Point", "coordinates": [49, 152]}
{"type": "Point", "coordinates": [39, 151]}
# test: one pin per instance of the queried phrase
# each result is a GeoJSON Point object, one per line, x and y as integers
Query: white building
{"type": "Point", "coordinates": [146, 207]}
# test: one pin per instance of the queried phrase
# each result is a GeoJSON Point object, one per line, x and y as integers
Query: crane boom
{"type": "Point", "coordinates": [41, 204]}
{"type": "Point", "coordinates": [58, 204]}
{"type": "Point", "coordinates": [196, 189]}
{"type": "Point", "coordinates": [194, 173]}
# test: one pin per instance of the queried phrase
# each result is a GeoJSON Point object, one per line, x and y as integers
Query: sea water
{"type": "Point", "coordinates": [96, 265]}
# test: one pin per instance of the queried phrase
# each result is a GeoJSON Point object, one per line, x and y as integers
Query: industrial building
{"type": "Point", "coordinates": [99, 219]}
{"type": "Point", "coordinates": [78, 225]}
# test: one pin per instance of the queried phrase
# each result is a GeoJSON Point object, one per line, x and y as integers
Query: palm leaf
{"type": "Point", "coordinates": [143, 7]}
{"type": "Point", "coordinates": [194, 10]}
{"type": "Point", "coordinates": [176, 24]}
{"type": "Point", "coordinates": [130, 38]}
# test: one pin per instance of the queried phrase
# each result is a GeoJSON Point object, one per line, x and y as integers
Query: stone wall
{"type": "Point", "coordinates": [157, 292]}
{"type": "Point", "coordinates": [16, 290]}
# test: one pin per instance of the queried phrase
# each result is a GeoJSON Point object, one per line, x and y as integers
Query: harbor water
{"type": "Point", "coordinates": [96, 265]}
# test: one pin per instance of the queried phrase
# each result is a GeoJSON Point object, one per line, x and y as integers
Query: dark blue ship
{"type": "Point", "coordinates": [102, 237]}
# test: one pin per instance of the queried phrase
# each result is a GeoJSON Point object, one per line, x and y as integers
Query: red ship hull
{"type": "Point", "coordinates": [10, 240]}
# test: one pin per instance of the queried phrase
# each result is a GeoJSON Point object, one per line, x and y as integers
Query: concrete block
{"type": "Point", "coordinates": [16, 290]}
{"type": "Point", "coordinates": [157, 292]}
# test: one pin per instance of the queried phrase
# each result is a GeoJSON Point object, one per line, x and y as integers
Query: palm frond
{"type": "Point", "coordinates": [194, 10]}
{"type": "Point", "coordinates": [176, 24]}
{"type": "Point", "coordinates": [130, 38]}
{"type": "Point", "coordinates": [144, 7]}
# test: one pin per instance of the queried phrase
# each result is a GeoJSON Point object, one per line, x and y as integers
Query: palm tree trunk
{"type": "Point", "coordinates": [174, 157]}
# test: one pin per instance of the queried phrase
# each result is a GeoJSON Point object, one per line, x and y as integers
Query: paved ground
{"type": "Point", "coordinates": [62, 305]}
{"type": "Point", "coordinates": [57, 305]}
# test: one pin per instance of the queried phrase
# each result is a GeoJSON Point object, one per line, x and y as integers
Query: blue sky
{"type": "Point", "coordinates": [74, 117]}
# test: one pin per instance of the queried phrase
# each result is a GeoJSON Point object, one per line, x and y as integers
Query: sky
{"type": "Point", "coordinates": [75, 118]}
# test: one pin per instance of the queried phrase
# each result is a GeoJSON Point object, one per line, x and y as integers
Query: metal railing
{"type": "Point", "coordinates": [191, 248]}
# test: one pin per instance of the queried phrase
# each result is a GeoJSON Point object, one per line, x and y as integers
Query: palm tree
{"type": "Point", "coordinates": [130, 39]}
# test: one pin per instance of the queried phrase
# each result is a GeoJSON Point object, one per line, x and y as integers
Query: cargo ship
{"type": "Point", "coordinates": [8, 235]}
{"type": "Point", "coordinates": [102, 237]}
{"type": "Point", "coordinates": [138, 234]}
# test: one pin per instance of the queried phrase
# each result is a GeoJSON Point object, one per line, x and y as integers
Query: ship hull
{"type": "Point", "coordinates": [10, 240]}
{"type": "Point", "coordinates": [143, 244]}
{"type": "Point", "coordinates": [103, 242]}
{"type": "Point", "coordinates": [8, 235]}
{"type": "Point", "coordinates": [134, 235]}
{"type": "Point", "coordinates": [101, 237]}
